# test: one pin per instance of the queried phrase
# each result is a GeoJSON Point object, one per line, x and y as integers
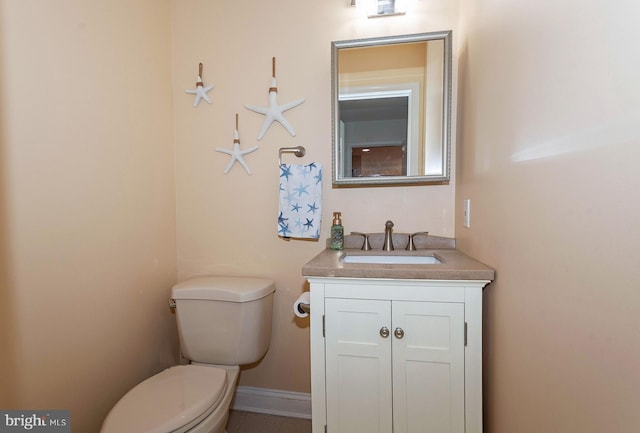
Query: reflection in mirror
{"type": "Point", "coordinates": [391, 103]}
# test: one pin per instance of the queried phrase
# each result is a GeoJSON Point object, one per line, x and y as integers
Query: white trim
{"type": "Point", "coordinates": [410, 90]}
{"type": "Point", "coordinates": [272, 401]}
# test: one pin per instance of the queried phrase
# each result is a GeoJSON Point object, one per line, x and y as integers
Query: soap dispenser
{"type": "Point", "coordinates": [337, 232]}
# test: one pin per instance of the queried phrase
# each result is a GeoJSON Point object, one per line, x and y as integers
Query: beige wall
{"type": "Point", "coordinates": [227, 223]}
{"type": "Point", "coordinates": [87, 212]}
{"type": "Point", "coordinates": [548, 151]}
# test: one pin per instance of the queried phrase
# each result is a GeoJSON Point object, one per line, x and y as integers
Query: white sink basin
{"type": "Point", "coordinates": [390, 260]}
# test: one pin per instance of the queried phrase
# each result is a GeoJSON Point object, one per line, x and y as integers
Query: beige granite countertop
{"type": "Point", "coordinates": [455, 266]}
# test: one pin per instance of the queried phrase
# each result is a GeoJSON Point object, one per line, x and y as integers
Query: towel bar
{"type": "Point", "coordinates": [299, 151]}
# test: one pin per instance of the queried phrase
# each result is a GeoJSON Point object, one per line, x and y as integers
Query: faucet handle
{"type": "Point", "coordinates": [410, 245]}
{"type": "Point", "coordinates": [365, 244]}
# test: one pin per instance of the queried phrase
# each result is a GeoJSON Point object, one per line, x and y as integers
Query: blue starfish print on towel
{"type": "Point", "coordinates": [309, 223]}
{"type": "Point", "coordinates": [302, 171]}
{"type": "Point", "coordinates": [281, 219]}
{"type": "Point", "coordinates": [311, 166]}
{"type": "Point", "coordinates": [318, 177]}
{"type": "Point", "coordinates": [302, 189]}
{"type": "Point", "coordinates": [286, 171]}
{"type": "Point", "coordinates": [295, 208]}
{"type": "Point", "coordinates": [284, 230]}
{"type": "Point", "coordinates": [290, 196]}
{"type": "Point", "coordinates": [312, 208]}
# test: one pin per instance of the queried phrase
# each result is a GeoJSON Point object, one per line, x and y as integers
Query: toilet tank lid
{"type": "Point", "coordinates": [231, 289]}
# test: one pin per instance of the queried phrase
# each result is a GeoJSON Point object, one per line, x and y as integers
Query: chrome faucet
{"type": "Point", "coordinates": [388, 236]}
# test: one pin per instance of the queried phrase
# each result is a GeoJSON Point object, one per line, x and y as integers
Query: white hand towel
{"type": "Point", "coordinates": [300, 201]}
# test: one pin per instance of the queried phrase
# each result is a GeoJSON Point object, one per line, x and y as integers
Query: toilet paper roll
{"type": "Point", "coordinates": [305, 298]}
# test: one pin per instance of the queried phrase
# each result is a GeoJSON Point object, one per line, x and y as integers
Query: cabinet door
{"type": "Point", "coordinates": [358, 366]}
{"type": "Point", "coordinates": [428, 367]}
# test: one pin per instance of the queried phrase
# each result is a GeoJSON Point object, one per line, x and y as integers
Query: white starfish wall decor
{"type": "Point", "coordinates": [200, 91]}
{"type": "Point", "coordinates": [237, 154]}
{"type": "Point", "coordinates": [274, 112]}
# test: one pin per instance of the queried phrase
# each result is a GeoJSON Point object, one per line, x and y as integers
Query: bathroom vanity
{"type": "Point", "coordinates": [396, 347]}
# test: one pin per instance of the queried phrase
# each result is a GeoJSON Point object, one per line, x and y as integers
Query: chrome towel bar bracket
{"type": "Point", "coordinates": [299, 151]}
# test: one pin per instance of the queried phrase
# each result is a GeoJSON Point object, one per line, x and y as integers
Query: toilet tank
{"type": "Point", "coordinates": [224, 320]}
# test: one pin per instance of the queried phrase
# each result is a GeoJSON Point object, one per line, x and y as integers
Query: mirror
{"type": "Point", "coordinates": [391, 107]}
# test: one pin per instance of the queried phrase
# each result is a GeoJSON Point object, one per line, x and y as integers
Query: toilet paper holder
{"type": "Point", "coordinates": [304, 308]}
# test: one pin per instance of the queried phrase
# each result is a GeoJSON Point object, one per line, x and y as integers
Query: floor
{"type": "Point", "coordinates": [249, 422]}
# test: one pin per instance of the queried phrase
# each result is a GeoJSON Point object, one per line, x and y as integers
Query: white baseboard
{"type": "Point", "coordinates": [272, 401]}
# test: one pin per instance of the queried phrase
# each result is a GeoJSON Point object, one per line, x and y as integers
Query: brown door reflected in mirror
{"type": "Point", "coordinates": [379, 161]}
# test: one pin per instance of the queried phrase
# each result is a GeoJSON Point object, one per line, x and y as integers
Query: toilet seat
{"type": "Point", "coordinates": [172, 401]}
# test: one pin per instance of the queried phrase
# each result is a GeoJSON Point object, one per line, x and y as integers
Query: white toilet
{"type": "Point", "coordinates": [223, 323]}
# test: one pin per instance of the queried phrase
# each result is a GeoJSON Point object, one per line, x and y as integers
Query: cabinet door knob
{"type": "Point", "coordinates": [399, 332]}
{"type": "Point", "coordinates": [384, 332]}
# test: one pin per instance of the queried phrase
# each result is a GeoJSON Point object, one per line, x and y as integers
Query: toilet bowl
{"type": "Point", "coordinates": [223, 322]}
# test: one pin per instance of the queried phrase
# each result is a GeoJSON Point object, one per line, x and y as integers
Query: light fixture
{"type": "Point", "coordinates": [380, 8]}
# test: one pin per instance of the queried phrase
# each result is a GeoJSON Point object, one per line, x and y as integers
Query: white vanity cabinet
{"type": "Point", "coordinates": [395, 355]}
